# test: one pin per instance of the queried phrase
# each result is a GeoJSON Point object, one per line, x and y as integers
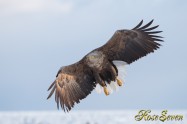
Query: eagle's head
{"type": "Point", "coordinates": [95, 59]}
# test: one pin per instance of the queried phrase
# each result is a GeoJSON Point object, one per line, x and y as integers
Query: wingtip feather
{"type": "Point", "coordinates": [138, 25]}
{"type": "Point", "coordinates": [147, 25]}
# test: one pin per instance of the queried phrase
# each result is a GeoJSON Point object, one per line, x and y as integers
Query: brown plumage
{"type": "Point", "coordinates": [76, 81]}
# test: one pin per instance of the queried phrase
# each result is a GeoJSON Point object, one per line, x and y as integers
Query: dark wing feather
{"type": "Point", "coordinates": [72, 84]}
{"type": "Point", "coordinates": [130, 45]}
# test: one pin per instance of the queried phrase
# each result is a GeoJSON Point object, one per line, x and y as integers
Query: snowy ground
{"type": "Point", "coordinates": [81, 117]}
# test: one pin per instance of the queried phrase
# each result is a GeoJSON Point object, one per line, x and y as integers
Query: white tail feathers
{"type": "Point", "coordinates": [113, 86]}
{"type": "Point", "coordinates": [98, 88]}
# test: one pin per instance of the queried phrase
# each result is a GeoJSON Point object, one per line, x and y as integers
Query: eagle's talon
{"type": "Point", "coordinates": [119, 82]}
{"type": "Point", "coordinates": [106, 91]}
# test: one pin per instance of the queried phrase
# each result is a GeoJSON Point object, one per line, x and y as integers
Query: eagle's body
{"type": "Point", "coordinates": [102, 66]}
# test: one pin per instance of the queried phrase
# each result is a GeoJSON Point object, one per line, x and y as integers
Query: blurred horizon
{"type": "Point", "coordinates": [38, 37]}
{"type": "Point", "coordinates": [85, 117]}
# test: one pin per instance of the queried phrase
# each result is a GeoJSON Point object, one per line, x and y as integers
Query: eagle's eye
{"type": "Point", "coordinates": [92, 57]}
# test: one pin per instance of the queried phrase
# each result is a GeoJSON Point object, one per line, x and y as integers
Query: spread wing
{"type": "Point", "coordinates": [130, 45]}
{"type": "Point", "coordinates": [72, 84]}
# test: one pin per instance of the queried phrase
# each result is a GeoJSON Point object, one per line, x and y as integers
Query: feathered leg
{"type": "Point", "coordinates": [101, 82]}
{"type": "Point", "coordinates": [115, 71]}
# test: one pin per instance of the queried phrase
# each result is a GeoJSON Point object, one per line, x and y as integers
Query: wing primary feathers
{"type": "Point", "coordinates": [61, 103]}
{"type": "Point", "coordinates": [156, 39]}
{"type": "Point", "coordinates": [147, 25]}
{"type": "Point", "coordinates": [69, 97]}
{"type": "Point", "coordinates": [52, 91]}
{"type": "Point", "coordinates": [51, 85]}
{"type": "Point", "coordinates": [57, 94]}
{"type": "Point", "coordinates": [152, 28]}
{"type": "Point", "coordinates": [154, 32]}
{"type": "Point", "coordinates": [138, 25]}
{"type": "Point", "coordinates": [156, 36]}
{"type": "Point", "coordinates": [57, 99]}
{"type": "Point", "coordinates": [62, 99]}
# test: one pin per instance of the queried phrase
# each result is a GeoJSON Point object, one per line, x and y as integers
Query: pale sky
{"type": "Point", "coordinates": [38, 37]}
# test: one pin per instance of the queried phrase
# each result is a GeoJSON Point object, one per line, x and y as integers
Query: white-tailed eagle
{"type": "Point", "coordinates": [104, 66]}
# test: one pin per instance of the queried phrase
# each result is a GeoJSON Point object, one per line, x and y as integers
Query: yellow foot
{"type": "Point", "coordinates": [119, 82]}
{"type": "Point", "coordinates": [106, 91]}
